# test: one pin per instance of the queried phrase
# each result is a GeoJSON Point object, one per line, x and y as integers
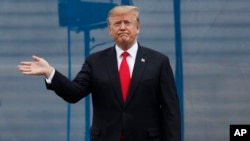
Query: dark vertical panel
{"type": "Point", "coordinates": [179, 62]}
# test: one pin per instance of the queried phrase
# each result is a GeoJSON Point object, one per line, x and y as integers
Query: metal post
{"type": "Point", "coordinates": [69, 77]}
{"type": "Point", "coordinates": [87, 99]}
{"type": "Point", "coordinates": [179, 63]}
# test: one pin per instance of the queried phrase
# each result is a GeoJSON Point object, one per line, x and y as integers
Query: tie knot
{"type": "Point", "coordinates": [125, 54]}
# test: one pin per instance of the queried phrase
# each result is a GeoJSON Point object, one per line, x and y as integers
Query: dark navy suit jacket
{"type": "Point", "coordinates": [151, 112]}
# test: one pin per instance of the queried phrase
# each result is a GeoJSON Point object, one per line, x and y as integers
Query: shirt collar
{"type": "Point", "coordinates": [132, 51]}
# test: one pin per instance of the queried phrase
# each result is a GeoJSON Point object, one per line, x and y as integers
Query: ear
{"type": "Point", "coordinates": [138, 28]}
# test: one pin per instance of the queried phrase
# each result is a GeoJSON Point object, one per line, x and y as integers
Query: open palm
{"type": "Point", "coordinates": [37, 67]}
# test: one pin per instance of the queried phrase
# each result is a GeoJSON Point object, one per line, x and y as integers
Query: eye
{"type": "Point", "coordinates": [127, 22]}
{"type": "Point", "coordinates": [116, 24]}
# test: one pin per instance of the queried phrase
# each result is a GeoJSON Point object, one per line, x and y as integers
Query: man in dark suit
{"type": "Point", "coordinates": [146, 108]}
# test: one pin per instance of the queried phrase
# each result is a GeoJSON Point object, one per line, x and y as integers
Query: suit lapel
{"type": "Point", "coordinates": [139, 67]}
{"type": "Point", "coordinates": [112, 69]}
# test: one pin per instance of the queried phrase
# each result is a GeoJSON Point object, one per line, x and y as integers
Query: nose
{"type": "Point", "coordinates": [122, 27]}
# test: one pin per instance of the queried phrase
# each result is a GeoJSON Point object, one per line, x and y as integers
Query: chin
{"type": "Point", "coordinates": [123, 41]}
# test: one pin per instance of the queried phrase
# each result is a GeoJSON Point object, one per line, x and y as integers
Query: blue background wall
{"type": "Point", "coordinates": [216, 54]}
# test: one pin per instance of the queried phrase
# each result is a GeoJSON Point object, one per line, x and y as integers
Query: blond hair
{"type": "Point", "coordinates": [124, 9]}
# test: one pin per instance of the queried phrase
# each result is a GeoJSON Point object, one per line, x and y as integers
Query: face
{"type": "Point", "coordinates": [124, 29]}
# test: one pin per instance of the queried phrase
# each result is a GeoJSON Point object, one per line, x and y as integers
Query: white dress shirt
{"type": "Point", "coordinates": [130, 58]}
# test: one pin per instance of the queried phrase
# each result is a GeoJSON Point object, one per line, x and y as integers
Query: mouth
{"type": "Point", "coordinates": [122, 34]}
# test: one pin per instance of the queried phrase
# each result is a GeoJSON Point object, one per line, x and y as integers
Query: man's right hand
{"type": "Point", "coordinates": [38, 67]}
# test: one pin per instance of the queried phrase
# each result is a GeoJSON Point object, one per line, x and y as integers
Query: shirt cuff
{"type": "Point", "coordinates": [49, 80]}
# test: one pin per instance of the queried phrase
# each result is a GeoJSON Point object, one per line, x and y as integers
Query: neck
{"type": "Point", "coordinates": [126, 46]}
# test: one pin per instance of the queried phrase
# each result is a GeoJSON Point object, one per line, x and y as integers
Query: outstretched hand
{"type": "Point", "coordinates": [39, 66]}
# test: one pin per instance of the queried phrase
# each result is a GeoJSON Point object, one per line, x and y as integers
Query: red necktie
{"type": "Point", "coordinates": [124, 75]}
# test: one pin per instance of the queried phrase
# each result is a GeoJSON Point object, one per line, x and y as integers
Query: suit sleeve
{"type": "Point", "coordinates": [72, 91]}
{"type": "Point", "coordinates": [170, 104]}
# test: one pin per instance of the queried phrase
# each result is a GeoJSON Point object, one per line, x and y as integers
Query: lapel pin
{"type": "Point", "coordinates": [143, 60]}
